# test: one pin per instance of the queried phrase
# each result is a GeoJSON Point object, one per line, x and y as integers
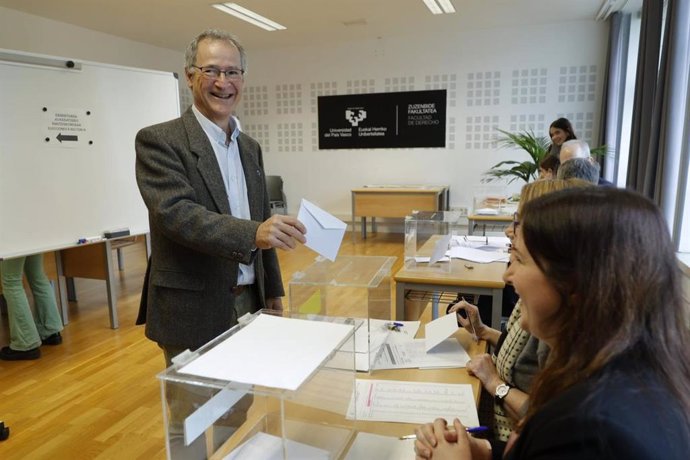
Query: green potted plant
{"type": "Point", "coordinates": [536, 147]}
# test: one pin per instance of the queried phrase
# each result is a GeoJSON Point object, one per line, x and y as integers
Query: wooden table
{"type": "Point", "coordinates": [94, 261]}
{"type": "Point", "coordinates": [449, 375]}
{"type": "Point", "coordinates": [320, 424]}
{"type": "Point", "coordinates": [476, 219]}
{"type": "Point", "coordinates": [395, 201]}
{"type": "Point", "coordinates": [464, 276]}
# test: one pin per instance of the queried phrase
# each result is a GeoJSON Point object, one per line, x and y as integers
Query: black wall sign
{"type": "Point", "coordinates": [383, 120]}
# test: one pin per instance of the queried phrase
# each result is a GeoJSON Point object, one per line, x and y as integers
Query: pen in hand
{"type": "Point", "coordinates": [469, 318]}
{"type": "Point", "coordinates": [469, 429]}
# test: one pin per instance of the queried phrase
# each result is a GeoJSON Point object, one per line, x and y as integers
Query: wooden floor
{"type": "Point", "coordinates": [96, 396]}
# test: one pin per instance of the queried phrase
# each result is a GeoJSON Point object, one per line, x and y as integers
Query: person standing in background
{"type": "Point", "coordinates": [27, 333]}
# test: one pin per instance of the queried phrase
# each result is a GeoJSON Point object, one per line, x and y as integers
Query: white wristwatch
{"type": "Point", "coordinates": [502, 391]}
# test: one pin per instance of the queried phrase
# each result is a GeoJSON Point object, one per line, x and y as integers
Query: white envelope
{"type": "Point", "coordinates": [439, 330]}
{"type": "Point", "coordinates": [324, 231]}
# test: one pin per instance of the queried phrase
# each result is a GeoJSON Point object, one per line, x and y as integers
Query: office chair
{"type": "Point", "coordinates": [276, 196]}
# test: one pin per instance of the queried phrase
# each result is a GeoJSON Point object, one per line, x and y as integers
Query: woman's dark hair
{"type": "Point", "coordinates": [564, 124]}
{"type": "Point", "coordinates": [550, 162]}
{"type": "Point", "coordinates": [609, 255]}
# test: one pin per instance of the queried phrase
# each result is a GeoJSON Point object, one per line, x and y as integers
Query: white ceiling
{"type": "Point", "coordinates": [172, 23]}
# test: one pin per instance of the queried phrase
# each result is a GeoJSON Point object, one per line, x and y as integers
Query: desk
{"type": "Point", "coordinates": [481, 279]}
{"type": "Point", "coordinates": [475, 219]}
{"type": "Point", "coordinates": [93, 261]}
{"type": "Point", "coordinates": [395, 201]}
{"type": "Point", "coordinates": [326, 419]}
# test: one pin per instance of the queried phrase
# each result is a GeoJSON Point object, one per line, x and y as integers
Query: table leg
{"type": "Point", "coordinates": [364, 228]}
{"type": "Point", "coordinates": [373, 225]}
{"type": "Point", "coordinates": [400, 301]}
{"type": "Point", "coordinates": [120, 260]}
{"type": "Point", "coordinates": [470, 226]}
{"type": "Point", "coordinates": [62, 288]}
{"type": "Point", "coordinates": [110, 284]}
{"type": "Point", "coordinates": [71, 290]}
{"type": "Point", "coordinates": [435, 298]}
{"type": "Point", "coordinates": [496, 308]}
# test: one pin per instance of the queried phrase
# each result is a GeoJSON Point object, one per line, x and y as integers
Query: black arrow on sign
{"type": "Point", "coordinates": [65, 137]}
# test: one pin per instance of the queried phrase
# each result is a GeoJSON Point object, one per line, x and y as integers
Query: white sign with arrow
{"type": "Point", "coordinates": [66, 127]}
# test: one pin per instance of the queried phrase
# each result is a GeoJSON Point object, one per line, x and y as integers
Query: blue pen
{"type": "Point", "coordinates": [469, 429]}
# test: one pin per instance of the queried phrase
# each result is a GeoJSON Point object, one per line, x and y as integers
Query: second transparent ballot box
{"type": "Point", "coordinates": [356, 287]}
{"type": "Point", "coordinates": [428, 237]}
{"type": "Point", "coordinates": [276, 386]}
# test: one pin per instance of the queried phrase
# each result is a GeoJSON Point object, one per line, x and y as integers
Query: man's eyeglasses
{"type": "Point", "coordinates": [214, 73]}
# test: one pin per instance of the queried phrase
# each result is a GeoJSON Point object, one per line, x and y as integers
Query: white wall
{"type": "Point", "coordinates": [287, 82]}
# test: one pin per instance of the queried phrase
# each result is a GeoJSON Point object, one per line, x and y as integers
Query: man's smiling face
{"type": "Point", "coordinates": [216, 98]}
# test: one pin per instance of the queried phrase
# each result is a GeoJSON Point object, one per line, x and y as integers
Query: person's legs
{"type": "Point", "coordinates": [23, 333]}
{"type": "Point", "coordinates": [48, 322]}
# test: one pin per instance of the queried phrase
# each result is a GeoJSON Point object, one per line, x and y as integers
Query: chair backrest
{"type": "Point", "coordinates": [274, 186]}
{"type": "Point", "coordinates": [276, 196]}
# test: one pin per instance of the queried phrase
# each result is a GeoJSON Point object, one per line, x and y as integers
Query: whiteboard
{"type": "Point", "coordinates": [67, 154]}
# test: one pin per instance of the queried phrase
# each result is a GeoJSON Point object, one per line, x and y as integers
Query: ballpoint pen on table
{"type": "Point", "coordinates": [469, 429]}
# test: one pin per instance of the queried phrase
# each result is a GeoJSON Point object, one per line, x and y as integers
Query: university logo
{"type": "Point", "coordinates": [355, 119]}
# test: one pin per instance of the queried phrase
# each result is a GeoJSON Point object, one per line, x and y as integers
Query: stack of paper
{"type": "Point", "coordinates": [439, 349]}
{"type": "Point", "coordinates": [277, 359]}
{"type": "Point", "coordinates": [412, 402]}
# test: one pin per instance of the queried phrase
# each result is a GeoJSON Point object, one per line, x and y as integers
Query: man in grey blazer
{"type": "Point", "coordinates": [212, 235]}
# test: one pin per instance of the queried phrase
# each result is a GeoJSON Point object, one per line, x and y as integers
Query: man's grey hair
{"type": "Point", "coordinates": [213, 34]}
{"type": "Point", "coordinates": [578, 147]}
{"type": "Point", "coordinates": [579, 168]}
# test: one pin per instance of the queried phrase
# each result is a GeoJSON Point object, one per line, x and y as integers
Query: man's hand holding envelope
{"type": "Point", "coordinates": [324, 231]}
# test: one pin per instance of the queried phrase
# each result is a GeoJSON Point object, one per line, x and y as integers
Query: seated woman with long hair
{"type": "Point", "coordinates": [599, 283]}
{"type": "Point", "coordinates": [560, 130]}
{"type": "Point", "coordinates": [517, 355]}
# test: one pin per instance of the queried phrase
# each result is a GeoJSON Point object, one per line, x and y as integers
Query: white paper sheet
{"type": "Point", "coordinates": [477, 255]}
{"type": "Point", "coordinates": [324, 231]}
{"type": "Point", "coordinates": [367, 445]}
{"type": "Point", "coordinates": [271, 351]}
{"type": "Point", "coordinates": [406, 355]}
{"type": "Point", "coordinates": [263, 446]}
{"type": "Point", "coordinates": [379, 332]}
{"type": "Point", "coordinates": [426, 260]}
{"type": "Point", "coordinates": [476, 241]}
{"type": "Point", "coordinates": [412, 402]}
{"type": "Point", "coordinates": [439, 330]}
{"type": "Point", "coordinates": [440, 249]}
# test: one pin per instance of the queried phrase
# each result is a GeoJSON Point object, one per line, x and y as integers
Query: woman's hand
{"type": "Point", "coordinates": [438, 442]}
{"type": "Point", "coordinates": [473, 323]}
{"type": "Point", "coordinates": [484, 369]}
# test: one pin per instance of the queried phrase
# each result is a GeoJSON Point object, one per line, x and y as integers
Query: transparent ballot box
{"type": "Point", "coordinates": [276, 386]}
{"type": "Point", "coordinates": [428, 237]}
{"type": "Point", "coordinates": [351, 287]}
{"type": "Point", "coordinates": [491, 201]}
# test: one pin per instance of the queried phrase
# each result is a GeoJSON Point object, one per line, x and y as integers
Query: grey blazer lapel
{"type": "Point", "coordinates": [252, 176]}
{"type": "Point", "coordinates": [207, 164]}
